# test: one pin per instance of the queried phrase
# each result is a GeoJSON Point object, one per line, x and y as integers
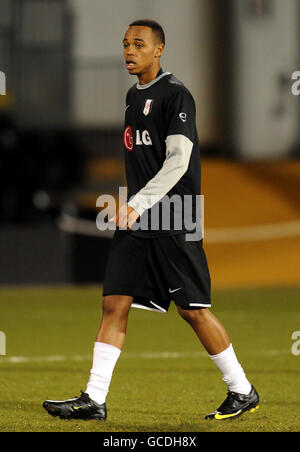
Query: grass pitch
{"type": "Point", "coordinates": [163, 381]}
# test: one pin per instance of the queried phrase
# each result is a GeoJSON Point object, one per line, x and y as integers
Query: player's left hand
{"type": "Point", "coordinates": [126, 217]}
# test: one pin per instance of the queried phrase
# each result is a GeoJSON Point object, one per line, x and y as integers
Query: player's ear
{"type": "Point", "coordinates": [159, 50]}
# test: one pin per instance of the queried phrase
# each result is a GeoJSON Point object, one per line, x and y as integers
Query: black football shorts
{"type": "Point", "coordinates": [155, 271]}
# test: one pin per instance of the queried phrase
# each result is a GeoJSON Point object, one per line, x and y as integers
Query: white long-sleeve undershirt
{"type": "Point", "coordinates": [178, 153]}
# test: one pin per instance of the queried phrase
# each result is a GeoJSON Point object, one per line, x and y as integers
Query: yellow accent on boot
{"type": "Point", "coordinates": [220, 417]}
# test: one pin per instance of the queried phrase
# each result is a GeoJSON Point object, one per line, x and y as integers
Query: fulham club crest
{"type": "Point", "coordinates": [148, 107]}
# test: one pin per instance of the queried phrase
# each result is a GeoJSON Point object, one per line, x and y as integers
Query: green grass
{"type": "Point", "coordinates": [147, 395]}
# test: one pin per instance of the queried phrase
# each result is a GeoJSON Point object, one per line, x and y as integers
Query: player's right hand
{"type": "Point", "coordinates": [126, 217]}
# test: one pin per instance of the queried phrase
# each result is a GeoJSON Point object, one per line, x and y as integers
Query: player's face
{"type": "Point", "coordinates": [141, 49]}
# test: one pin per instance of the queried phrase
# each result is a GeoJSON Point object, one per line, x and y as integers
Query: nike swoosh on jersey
{"type": "Point", "coordinates": [175, 290]}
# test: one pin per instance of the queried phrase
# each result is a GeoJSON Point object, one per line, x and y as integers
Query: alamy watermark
{"type": "Point", "coordinates": [296, 345]}
{"type": "Point", "coordinates": [2, 343]}
{"type": "Point", "coordinates": [176, 213]}
{"type": "Point", "coordinates": [2, 84]}
{"type": "Point", "coordinates": [296, 85]}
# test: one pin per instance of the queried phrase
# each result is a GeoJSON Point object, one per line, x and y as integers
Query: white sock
{"type": "Point", "coordinates": [104, 360]}
{"type": "Point", "coordinates": [232, 372]}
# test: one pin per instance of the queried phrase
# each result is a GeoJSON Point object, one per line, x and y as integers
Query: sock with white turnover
{"type": "Point", "coordinates": [104, 360]}
{"type": "Point", "coordinates": [232, 372]}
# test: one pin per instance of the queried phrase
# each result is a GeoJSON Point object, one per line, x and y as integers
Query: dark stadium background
{"type": "Point", "coordinates": [61, 123]}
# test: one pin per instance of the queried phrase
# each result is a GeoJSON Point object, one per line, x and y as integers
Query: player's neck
{"type": "Point", "coordinates": [147, 77]}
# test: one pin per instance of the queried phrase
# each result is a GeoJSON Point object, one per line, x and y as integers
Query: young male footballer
{"type": "Point", "coordinates": [148, 267]}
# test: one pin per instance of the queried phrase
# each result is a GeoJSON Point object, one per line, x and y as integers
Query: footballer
{"type": "Point", "coordinates": [148, 267]}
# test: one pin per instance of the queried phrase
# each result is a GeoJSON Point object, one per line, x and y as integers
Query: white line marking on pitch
{"type": "Point", "coordinates": [144, 355]}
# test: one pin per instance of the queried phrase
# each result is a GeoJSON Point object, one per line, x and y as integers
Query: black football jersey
{"type": "Point", "coordinates": [155, 111]}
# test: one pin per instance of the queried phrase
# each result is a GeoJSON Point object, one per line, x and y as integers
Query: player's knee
{"type": "Point", "coordinates": [191, 316]}
{"type": "Point", "coordinates": [116, 304]}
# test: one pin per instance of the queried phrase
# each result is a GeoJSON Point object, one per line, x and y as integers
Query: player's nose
{"type": "Point", "coordinates": [129, 51]}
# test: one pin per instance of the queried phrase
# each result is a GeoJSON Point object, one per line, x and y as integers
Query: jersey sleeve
{"type": "Point", "coordinates": [181, 115]}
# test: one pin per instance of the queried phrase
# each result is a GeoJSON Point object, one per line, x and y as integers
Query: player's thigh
{"type": "Point", "coordinates": [125, 268]}
{"type": "Point", "coordinates": [186, 271]}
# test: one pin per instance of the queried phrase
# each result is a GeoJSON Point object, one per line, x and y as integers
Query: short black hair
{"type": "Point", "coordinates": [155, 26]}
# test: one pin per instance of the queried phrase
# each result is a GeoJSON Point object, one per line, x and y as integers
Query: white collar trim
{"type": "Point", "coordinates": [147, 85]}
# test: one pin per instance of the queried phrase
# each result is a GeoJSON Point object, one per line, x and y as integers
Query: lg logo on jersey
{"type": "Point", "coordinates": [141, 138]}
